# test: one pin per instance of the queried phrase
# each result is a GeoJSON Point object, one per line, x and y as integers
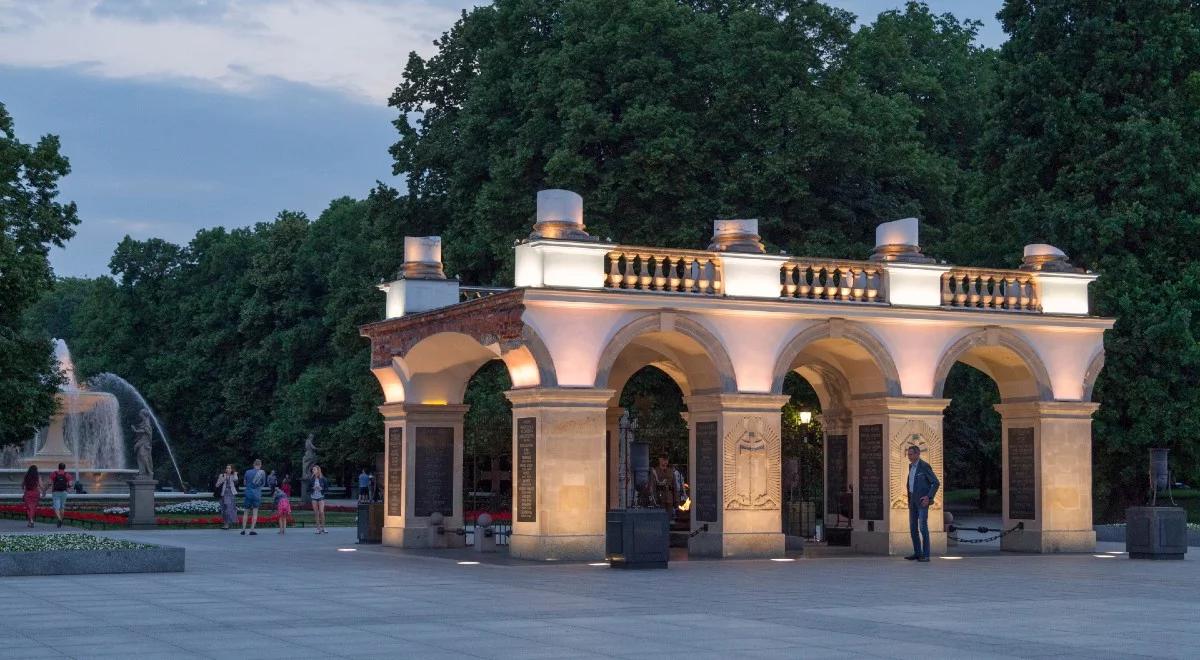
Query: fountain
{"type": "Point", "coordinates": [85, 435]}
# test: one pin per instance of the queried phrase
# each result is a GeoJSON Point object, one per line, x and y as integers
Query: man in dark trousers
{"type": "Point", "coordinates": [922, 486]}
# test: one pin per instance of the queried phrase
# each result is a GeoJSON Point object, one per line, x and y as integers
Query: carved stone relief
{"type": "Point", "coordinates": [752, 464]}
{"type": "Point", "coordinates": [913, 432]}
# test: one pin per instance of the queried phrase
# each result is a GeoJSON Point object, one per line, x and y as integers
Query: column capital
{"type": "Point", "coordinates": [450, 412]}
{"type": "Point", "coordinates": [1048, 409]}
{"type": "Point", "coordinates": [736, 402]}
{"type": "Point", "coordinates": [899, 405]}
{"type": "Point", "coordinates": [566, 397]}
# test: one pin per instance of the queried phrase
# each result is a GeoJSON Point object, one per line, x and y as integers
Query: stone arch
{"type": "Point", "coordinates": [662, 327]}
{"type": "Point", "coordinates": [1004, 356]}
{"type": "Point", "coordinates": [856, 343]}
{"type": "Point", "coordinates": [833, 391]}
{"type": "Point", "coordinates": [529, 361]}
{"type": "Point", "coordinates": [1095, 365]}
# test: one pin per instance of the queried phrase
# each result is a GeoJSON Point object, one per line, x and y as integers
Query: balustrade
{"type": "Point", "coordinates": [648, 269]}
{"type": "Point", "coordinates": [1008, 290]}
{"type": "Point", "coordinates": [827, 280]}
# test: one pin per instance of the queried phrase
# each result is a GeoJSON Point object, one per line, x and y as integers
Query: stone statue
{"type": "Point", "coordinates": [310, 457]}
{"type": "Point", "coordinates": [143, 432]}
{"type": "Point", "coordinates": [9, 455]}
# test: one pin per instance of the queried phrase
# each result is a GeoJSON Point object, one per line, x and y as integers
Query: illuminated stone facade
{"type": "Point", "coordinates": [876, 340]}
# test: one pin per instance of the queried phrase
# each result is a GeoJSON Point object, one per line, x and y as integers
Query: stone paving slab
{"type": "Point", "coordinates": [298, 595]}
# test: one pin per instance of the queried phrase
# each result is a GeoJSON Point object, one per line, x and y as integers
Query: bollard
{"type": "Point", "coordinates": [948, 520]}
{"type": "Point", "coordinates": [437, 530]}
{"type": "Point", "coordinates": [485, 536]}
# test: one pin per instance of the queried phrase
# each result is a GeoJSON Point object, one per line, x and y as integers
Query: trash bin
{"type": "Point", "coordinates": [638, 538]}
{"type": "Point", "coordinates": [370, 522]}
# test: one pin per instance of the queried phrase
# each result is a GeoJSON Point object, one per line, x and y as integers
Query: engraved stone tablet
{"type": "Point", "coordinates": [433, 483]}
{"type": "Point", "coordinates": [527, 469]}
{"type": "Point", "coordinates": [870, 472]}
{"type": "Point", "coordinates": [395, 471]}
{"type": "Point", "coordinates": [836, 471]}
{"type": "Point", "coordinates": [1021, 479]}
{"type": "Point", "coordinates": [706, 489]}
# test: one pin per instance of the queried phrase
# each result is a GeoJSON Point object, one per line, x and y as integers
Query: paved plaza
{"type": "Point", "coordinates": [303, 595]}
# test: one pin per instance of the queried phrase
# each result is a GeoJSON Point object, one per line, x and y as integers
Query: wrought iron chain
{"type": "Point", "coordinates": [983, 530]}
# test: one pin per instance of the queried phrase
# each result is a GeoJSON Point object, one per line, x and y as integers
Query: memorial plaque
{"type": "Point", "coordinates": [707, 492]}
{"type": "Point", "coordinates": [527, 469]}
{"type": "Point", "coordinates": [433, 485]}
{"type": "Point", "coordinates": [836, 471]}
{"type": "Point", "coordinates": [1022, 480]}
{"type": "Point", "coordinates": [870, 472]}
{"type": "Point", "coordinates": [395, 471]}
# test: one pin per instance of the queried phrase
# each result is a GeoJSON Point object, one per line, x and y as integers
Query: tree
{"type": "Point", "coordinates": [31, 220]}
{"type": "Point", "coordinates": [665, 115]}
{"type": "Point", "coordinates": [1092, 148]}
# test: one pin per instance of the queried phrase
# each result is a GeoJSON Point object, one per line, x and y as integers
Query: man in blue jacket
{"type": "Point", "coordinates": [922, 486]}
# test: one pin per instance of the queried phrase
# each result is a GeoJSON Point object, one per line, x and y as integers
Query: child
{"type": "Point", "coordinates": [283, 508]}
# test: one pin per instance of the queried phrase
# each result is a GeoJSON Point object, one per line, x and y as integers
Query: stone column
{"type": "Point", "coordinates": [883, 429]}
{"type": "Point", "coordinates": [612, 436]}
{"type": "Point", "coordinates": [1046, 448]}
{"type": "Point", "coordinates": [423, 456]}
{"type": "Point", "coordinates": [559, 466]}
{"type": "Point", "coordinates": [835, 426]}
{"type": "Point", "coordinates": [735, 473]}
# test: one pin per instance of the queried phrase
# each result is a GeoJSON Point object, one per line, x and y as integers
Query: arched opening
{"type": "Point", "coordinates": [832, 368]}
{"type": "Point", "coordinates": [487, 442]}
{"type": "Point", "coordinates": [655, 365]}
{"type": "Point", "coordinates": [994, 381]}
{"type": "Point", "coordinates": [971, 437]}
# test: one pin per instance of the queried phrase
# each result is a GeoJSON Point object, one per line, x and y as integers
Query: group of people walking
{"type": "Point", "coordinates": [254, 482]}
{"type": "Point", "coordinates": [58, 484]}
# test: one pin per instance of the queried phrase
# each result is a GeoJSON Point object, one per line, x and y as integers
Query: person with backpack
{"type": "Point", "coordinates": [252, 496]}
{"type": "Point", "coordinates": [60, 485]}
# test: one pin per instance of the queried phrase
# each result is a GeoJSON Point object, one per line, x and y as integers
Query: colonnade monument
{"type": "Point", "coordinates": [875, 338]}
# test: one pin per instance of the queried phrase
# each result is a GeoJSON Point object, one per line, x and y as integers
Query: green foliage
{"type": "Point", "coordinates": [1092, 147]}
{"type": "Point", "coordinates": [971, 432]}
{"type": "Point", "coordinates": [666, 114]}
{"type": "Point", "coordinates": [31, 220]}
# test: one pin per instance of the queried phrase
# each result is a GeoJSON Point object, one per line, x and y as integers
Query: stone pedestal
{"type": "Point", "coordinates": [735, 475]}
{"type": "Point", "coordinates": [1047, 476]}
{"type": "Point", "coordinates": [305, 488]}
{"type": "Point", "coordinates": [559, 465]}
{"type": "Point", "coordinates": [882, 430]}
{"type": "Point", "coordinates": [423, 455]}
{"type": "Point", "coordinates": [1156, 532]}
{"type": "Point", "coordinates": [141, 503]}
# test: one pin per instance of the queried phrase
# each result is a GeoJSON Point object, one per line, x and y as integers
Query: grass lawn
{"type": "Point", "coordinates": [969, 497]}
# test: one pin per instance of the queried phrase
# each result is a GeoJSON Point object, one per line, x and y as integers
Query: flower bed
{"type": "Point", "coordinates": [192, 506]}
{"type": "Point", "coordinates": [44, 542]}
{"type": "Point", "coordinates": [74, 554]}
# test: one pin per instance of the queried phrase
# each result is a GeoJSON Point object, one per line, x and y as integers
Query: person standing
{"type": "Point", "coordinates": [283, 508]}
{"type": "Point", "coordinates": [317, 494]}
{"type": "Point", "coordinates": [227, 487]}
{"type": "Point", "coordinates": [364, 486]}
{"type": "Point", "coordinates": [662, 479]}
{"type": "Point", "coordinates": [60, 484]}
{"type": "Point", "coordinates": [31, 485]}
{"type": "Point", "coordinates": [286, 486]}
{"type": "Point", "coordinates": [922, 486]}
{"type": "Point", "coordinates": [272, 482]}
{"type": "Point", "coordinates": [252, 496]}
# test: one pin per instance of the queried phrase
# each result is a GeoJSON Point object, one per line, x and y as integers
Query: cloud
{"type": "Point", "coordinates": [355, 47]}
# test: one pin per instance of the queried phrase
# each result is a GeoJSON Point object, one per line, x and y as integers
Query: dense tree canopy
{"type": "Point", "coordinates": [666, 114]}
{"type": "Point", "coordinates": [31, 220]}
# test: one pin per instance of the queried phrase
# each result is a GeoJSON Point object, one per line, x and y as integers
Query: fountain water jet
{"type": "Point", "coordinates": [85, 434]}
{"type": "Point", "coordinates": [107, 382]}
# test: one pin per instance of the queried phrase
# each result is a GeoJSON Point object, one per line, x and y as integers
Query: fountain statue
{"type": "Point", "coordinates": [308, 461]}
{"type": "Point", "coordinates": [86, 435]}
{"type": "Point", "coordinates": [142, 433]}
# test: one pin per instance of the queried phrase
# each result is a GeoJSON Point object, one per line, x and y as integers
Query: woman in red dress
{"type": "Point", "coordinates": [32, 485]}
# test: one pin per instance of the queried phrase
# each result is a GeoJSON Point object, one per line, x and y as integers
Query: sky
{"type": "Point", "coordinates": [182, 114]}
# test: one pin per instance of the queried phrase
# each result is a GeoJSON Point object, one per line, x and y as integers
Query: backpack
{"type": "Point", "coordinates": [60, 482]}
